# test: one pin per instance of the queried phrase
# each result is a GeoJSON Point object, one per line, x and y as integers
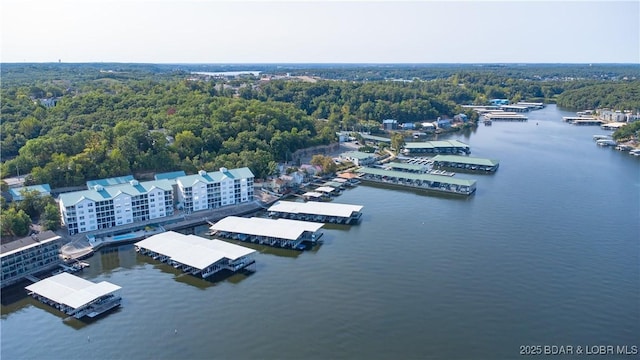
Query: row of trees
{"type": "Point", "coordinates": [16, 218]}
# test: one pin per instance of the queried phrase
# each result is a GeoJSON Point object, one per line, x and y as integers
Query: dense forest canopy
{"type": "Point", "coordinates": [117, 119]}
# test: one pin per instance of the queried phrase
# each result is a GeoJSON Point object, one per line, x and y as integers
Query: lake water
{"type": "Point", "coordinates": [547, 252]}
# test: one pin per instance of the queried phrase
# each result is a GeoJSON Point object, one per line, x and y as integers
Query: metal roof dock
{"type": "Point", "coordinates": [419, 181]}
{"type": "Point", "coordinates": [413, 168]}
{"type": "Point", "coordinates": [504, 116]}
{"type": "Point", "coordinates": [436, 147]}
{"type": "Point", "coordinates": [194, 254]}
{"type": "Point", "coordinates": [318, 212]}
{"type": "Point", "coordinates": [327, 190]}
{"type": "Point", "coordinates": [76, 296]}
{"type": "Point", "coordinates": [314, 195]}
{"type": "Point", "coordinates": [283, 233]}
{"type": "Point", "coordinates": [466, 162]}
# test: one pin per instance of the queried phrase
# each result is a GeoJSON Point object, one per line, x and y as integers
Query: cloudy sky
{"type": "Point", "coordinates": [321, 31]}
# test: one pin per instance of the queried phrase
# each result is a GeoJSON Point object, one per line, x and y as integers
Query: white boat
{"type": "Point", "coordinates": [601, 137]}
{"type": "Point", "coordinates": [635, 152]}
{"type": "Point", "coordinates": [606, 142]}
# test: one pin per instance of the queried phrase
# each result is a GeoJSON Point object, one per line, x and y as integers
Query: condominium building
{"type": "Point", "coordinates": [30, 255]}
{"type": "Point", "coordinates": [104, 207]}
{"type": "Point", "coordinates": [210, 190]}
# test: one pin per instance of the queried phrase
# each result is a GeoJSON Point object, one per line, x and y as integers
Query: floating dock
{"type": "Point", "coordinates": [328, 190]}
{"type": "Point", "coordinates": [320, 212]}
{"type": "Point", "coordinates": [284, 233]}
{"type": "Point", "coordinates": [196, 255]}
{"type": "Point", "coordinates": [76, 296]}
{"type": "Point", "coordinates": [466, 163]}
{"type": "Point", "coordinates": [582, 120]}
{"type": "Point", "coordinates": [334, 184]}
{"type": "Point", "coordinates": [436, 147]}
{"type": "Point", "coordinates": [314, 196]}
{"type": "Point", "coordinates": [504, 116]}
{"type": "Point", "coordinates": [430, 182]}
{"type": "Point", "coordinates": [416, 168]}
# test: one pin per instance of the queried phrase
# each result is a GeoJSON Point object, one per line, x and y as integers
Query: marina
{"type": "Point", "coordinates": [76, 296]}
{"type": "Point", "coordinates": [196, 255]}
{"type": "Point", "coordinates": [437, 183]}
{"type": "Point", "coordinates": [476, 261]}
{"type": "Point", "coordinates": [333, 213]}
{"type": "Point", "coordinates": [466, 163]}
{"type": "Point", "coordinates": [283, 233]}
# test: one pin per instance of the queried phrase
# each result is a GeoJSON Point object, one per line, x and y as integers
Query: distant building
{"type": "Point", "coordinates": [358, 158]}
{"type": "Point", "coordinates": [408, 126]}
{"type": "Point", "coordinates": [428, 126]}
{"type": "Point", "coordinates": [497, 102]}
{"type": "Point", "coordinates": [49, 102]}
{"type": "Point", "coordinates": [16, 193]}
{"type": "Point", "coordinates": [390, 124]}
{"type": "Point", "coordinates": [443, 123]}
{"type": "Point", "coordinates": [460, 118]}
{"type": "Point", "coordinates": [30, 255]}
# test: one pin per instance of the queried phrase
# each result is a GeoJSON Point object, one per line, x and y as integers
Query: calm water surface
{"type": "Point", "coordinates": [547, 252]}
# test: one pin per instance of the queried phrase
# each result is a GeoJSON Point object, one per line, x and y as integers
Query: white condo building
{"type": "Point", "coordinates": [210, 190]}
{"type": "Point", "coordinates": [103, 207]}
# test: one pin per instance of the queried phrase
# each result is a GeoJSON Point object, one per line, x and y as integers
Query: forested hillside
{"type": "Point", "coordinates": [117, 119]}
{"type": "Point", "coordinates": [618, 96]}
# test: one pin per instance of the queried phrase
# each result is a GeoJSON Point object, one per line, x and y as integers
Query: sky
{"type": "Point", "coordinates": [320, 31]}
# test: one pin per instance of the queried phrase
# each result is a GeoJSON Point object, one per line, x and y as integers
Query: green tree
{"type": "Point", "coordinates": [51, 218]}
{"type": "Point", "coordinates": [397, 142]}
{"type": "Point", "coordinates": [14, 222]}
{"type": "Point", "coordinates": [32, 203]}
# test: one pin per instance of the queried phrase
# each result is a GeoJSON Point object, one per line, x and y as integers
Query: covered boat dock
{"type": "Point", "coordinates": [419, 181]}
{"type": "Point", "coordinates": [436, 147]}
{"type": "Point", "coordinates": [504, 116]}
{"type": "Point", "coordinates": [284, 233]}
{"type": "Point", "coordinates": [194, 254]}
{"type": "Point", "coordinates": [314, 196]}
{"type": "Point", "coordinates": [466, 162]}
{"type": "Point", "coordinates": [322, 212]}
{"type": "Point", "coordinates": [328, 190]}
{"type": "Point", "coordinates": [418, 168]}
{"type": "Point", "coordinates": [76, 296]}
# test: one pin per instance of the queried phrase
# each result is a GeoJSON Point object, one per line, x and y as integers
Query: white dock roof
{"type": "Point", "coordinates": [193, 250]}
{"type": "Point", "coordinates": [326, 189]}
{"type": "Point", "coordinates": [317, 208]}
{"type": "Point", "coordinates": [313, 194]}
{"type": "Point", "coordinates": [275, 228]}
{"type": "Point", "coordinates": [71, 290]}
